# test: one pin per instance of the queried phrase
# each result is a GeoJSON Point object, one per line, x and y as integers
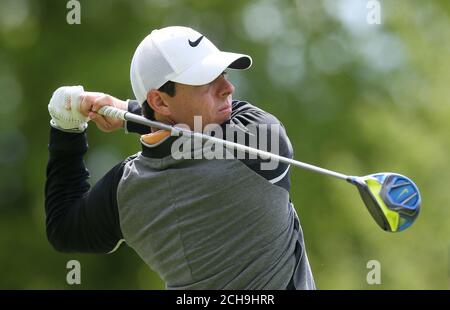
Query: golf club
{"type": "Point", "coordinates": [392, 199]}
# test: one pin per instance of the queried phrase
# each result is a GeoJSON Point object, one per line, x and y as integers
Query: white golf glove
{"type": "Point", "coordinates": [63, 109]}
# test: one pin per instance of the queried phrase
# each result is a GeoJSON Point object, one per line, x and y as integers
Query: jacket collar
{"type": "Point", "coordinates": [157, 144]}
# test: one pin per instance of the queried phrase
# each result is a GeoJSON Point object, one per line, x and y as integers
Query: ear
{"type": "Point", "coordinates": [157, 103]}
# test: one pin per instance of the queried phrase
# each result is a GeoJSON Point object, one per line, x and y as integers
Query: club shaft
{"type": "Point", "coordinates": [124, 115]}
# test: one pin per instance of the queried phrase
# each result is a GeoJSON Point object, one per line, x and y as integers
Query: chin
{"type": "Point", "coordinates": [223, 117]}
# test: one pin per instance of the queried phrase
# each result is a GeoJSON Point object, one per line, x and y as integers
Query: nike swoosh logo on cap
{"type": "Point", "coordinates": [196, 42]}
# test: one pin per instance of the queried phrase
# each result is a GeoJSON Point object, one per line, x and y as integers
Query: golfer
{"type": "Point", "coordinates": [200, 223]}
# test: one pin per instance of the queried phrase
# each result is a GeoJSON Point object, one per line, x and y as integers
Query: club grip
{"type": "Point", "coordinates": [112, 112]}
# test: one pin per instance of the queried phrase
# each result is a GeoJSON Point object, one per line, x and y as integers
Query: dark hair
{"type": "Point", "coordinates": [168, 88]}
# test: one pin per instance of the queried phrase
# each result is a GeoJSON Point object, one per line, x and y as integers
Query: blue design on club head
{"type": "Point", "coordinates": [400, 193]}
{"type": "Point", "coordinates": [403, 192]}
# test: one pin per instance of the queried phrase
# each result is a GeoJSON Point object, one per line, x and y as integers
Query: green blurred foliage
{"type": "Point", "coordinates": [354, 97]}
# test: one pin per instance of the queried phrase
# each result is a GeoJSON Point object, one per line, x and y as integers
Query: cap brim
{"type": "Point", "coordinates": [209, 68]}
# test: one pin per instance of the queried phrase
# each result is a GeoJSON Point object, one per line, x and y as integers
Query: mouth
{"type": "Point", "coordinates": [226, 112]}
{"type": "Point", "coordinates": [226, 108]}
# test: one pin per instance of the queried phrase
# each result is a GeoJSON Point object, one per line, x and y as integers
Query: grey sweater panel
{"type": "Point", "coordinates": [211, 224]}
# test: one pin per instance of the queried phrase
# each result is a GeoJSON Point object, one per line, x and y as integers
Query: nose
{"type": "Point", "coordinates": [225, 88]}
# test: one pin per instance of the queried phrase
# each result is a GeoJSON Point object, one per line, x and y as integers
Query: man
{"type": "Point", "coordinates": [199, 223]}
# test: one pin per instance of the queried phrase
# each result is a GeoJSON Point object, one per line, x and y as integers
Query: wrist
{"type": "Point", "coordinates": [82, 127]}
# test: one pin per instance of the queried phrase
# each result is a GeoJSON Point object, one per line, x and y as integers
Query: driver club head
{"type": "Point", "coordinates": [392, 199]}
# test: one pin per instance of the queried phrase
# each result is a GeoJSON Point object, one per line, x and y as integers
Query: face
{"type": "Point", "coordinates": [211, 101]}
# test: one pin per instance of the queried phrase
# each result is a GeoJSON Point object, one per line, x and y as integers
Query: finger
{"type": "Point", "coordinates": [102, 123]}
{"type": "Point", "coordinates": [87, 100]}
{"type": "Point", "coordinates": [93, 116]}
{"type": "Point", "coordinates": [89, 97]}
{"type": "Point", "coordinates": [102, 101]}
{"type": "Point", "coordinates": [84, 106]}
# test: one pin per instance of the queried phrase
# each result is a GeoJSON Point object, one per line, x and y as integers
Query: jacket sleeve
{"type": "Point", "coordinates": [79, 218]}
{"type": "Point", "coordinates": [262, 130]}
{"type": "Point", "coordinates": [135, 108]}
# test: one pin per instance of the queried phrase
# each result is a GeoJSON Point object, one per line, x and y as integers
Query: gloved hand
{"type": "Point", "coordinates": [64, 109]}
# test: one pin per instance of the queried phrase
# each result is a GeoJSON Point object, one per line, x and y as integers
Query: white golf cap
{"type": "Point", "coordinates": [179, 54]}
